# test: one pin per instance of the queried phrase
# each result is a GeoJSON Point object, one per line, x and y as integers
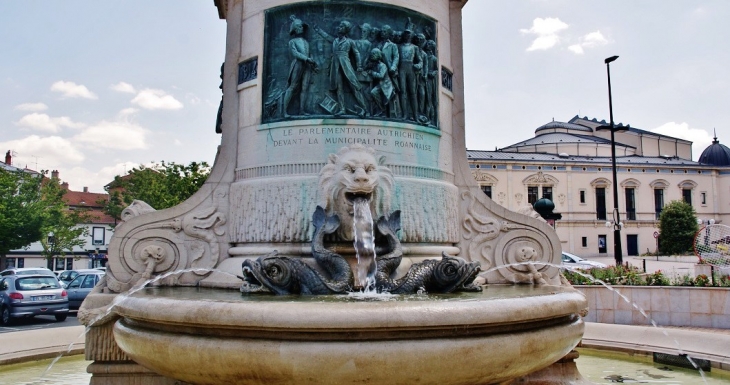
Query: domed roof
{"type": "Point", "coordinates": [716, 154]}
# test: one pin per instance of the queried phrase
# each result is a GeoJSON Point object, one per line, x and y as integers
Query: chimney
{"type": "Point", "coordinates": [86, 189]}
{"type": "Point", "coordinates": [64, 185]}
{"type": "Point", "coordinates": [54, 174]}
{"type": "Point", "coordinates": [8, 158]}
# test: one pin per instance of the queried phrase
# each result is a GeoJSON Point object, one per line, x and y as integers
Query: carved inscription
{"type": "Point", "coordinates": [366, 136]}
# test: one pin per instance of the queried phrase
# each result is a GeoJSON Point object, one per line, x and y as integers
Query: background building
{"type": "Point", "coordinates": [99, 228]}
{"type": "Point", "coordinates": [570, 164]}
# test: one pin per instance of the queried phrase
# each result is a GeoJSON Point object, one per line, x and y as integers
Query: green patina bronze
{"type": "Point", "coordinates": [350, 60]}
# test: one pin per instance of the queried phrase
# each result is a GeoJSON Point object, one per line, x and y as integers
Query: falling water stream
{"type": "Point", "coordinates": [364, 244]}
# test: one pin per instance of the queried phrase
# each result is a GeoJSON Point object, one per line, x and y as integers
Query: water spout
{"type": "Point", "coordinates": [364, 243]}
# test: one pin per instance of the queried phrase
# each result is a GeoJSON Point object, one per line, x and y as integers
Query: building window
{"type": "Point", "coordinates": [531, 194]}
{"type": "Point", "coordinates": [97, 236]}
{"type": "Point", "coordinates": [600, 203]}
{"type": "Point", "coordinates": [630, 204]}
{"type": "Point", "coordinates": [582, 196]}
{"type": "Point", "coordinates": [488, 191]}
{"type": "Point", "coordinates": [547, 192]}
{"type": "Point", "coordinates": [658, 201]}
{"type": "Point", "coordinates": [703, 198]}
{"type": "Point", "coordinates": [584, 241]}
{"type": "Point", "coordinates": [687, 195]}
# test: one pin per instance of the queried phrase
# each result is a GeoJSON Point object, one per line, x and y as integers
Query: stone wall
{"type": "Point", "coordinates": [705, 307]}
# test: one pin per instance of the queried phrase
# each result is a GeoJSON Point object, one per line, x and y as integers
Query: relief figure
{"type": "Point", "coordinates": [391, 58]}
{"type": "Point", "coordinates": [301, 68]}
{"type": "Point", "coordinates": [382, 91]}
{"type": "Point", "coordinates": [341, 68]}
{"type": "Point", "coordinates": [432, 85]}
{"type": "Point", "coordinates": [410, 63]}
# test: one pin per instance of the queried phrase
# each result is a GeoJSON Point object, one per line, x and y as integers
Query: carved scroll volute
{"type": "Point", "coordinates": [511, 247]}
{"type": "Point", "coordinates": [188, 243]}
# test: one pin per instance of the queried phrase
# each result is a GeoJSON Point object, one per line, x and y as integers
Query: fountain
{"type": "Point", "coordinates": [342, 167]}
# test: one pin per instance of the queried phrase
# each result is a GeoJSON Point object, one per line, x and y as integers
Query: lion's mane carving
{"type": "Point", "coordinates": [354, 172]}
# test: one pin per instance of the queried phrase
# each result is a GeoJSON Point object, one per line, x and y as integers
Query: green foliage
{"type": "Point", "coordinates": [723, 281]}
{"type": "Point", "coordinates": [60, 223]}
{"type": "Point", "coordinates": [161, 186]}
{"type": "Point", "coordinates": [657, 278]}
{"type": "Point", "coordinates": [612, 275]}
{"type": "Point", "coordinates": [677, 225]}
{"type": "Point", "coordinates": [684, 280]}
{"type": "Point", "coordinates": [21, 209]}
{"type": "Point", "coordinates": [702, 280]}
{"type": "Point", "coordinates": [114, 205]}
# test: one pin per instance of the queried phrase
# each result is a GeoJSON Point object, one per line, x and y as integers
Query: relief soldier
{"type": "Point", "coordinates": [391, 58]}
{"type": "Point", "coordinates": [432, 78]}
{"type": "Point", "coordinates": [410, 63]}
{"type": "Point", "coordinates": [301, 68]}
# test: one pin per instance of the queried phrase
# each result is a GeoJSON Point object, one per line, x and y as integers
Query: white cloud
{"type": "Point", "coordinates": [590, 40]}
{"type": "Point", "coordinates": [151, 99]}
{"type": "Point", "coordinates": [72, 90]}
{"type": "Point", "coordinates": [700, 138]}
{"type": "Point", "coordinates": [79, 177]}
{"type": "Point", "coordinates": [123, 87]}
{"type": "Point", "coordinates": [50, 151]}
{"type": "Point", "coordinates": [127, 112]}
{"type": "Point", "coordinates": [45, 123]}
{"type": "Point", "coordinates": [177, 142]}
{"type": "Point", "coordinates": [31, 107]}
{"type": "Point", "coordinates": [547, 30]}
{"type": "Point", "coordinates": [114, 135]}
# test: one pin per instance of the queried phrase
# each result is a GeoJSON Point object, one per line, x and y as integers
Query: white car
{"type": "Point", "coordinates": [570, 261]}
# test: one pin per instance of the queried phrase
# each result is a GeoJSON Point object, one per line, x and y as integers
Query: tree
{"type": "Point", "coordinates": [677, 228]}
{"type": "Point", "coordinates": [60, 229]}
{"type": "Point", "coordinates": [21, 211]}
{"type": "Point", "coordinates": [161, 186]}
{"type": "Point", "coordinates": [114, 205]}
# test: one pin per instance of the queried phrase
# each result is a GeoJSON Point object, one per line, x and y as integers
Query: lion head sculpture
{"type": "Point", "coordinates": [354, 172]}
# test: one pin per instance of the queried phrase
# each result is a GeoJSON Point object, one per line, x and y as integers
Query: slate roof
{"type": "Point", "coordinates": [633, 160]}
{"type": "Point", "coordinates": [716, 154]}
{"type": "Point", "coordinates": [562, 125]}
{"type": "Point", "coordinates": [577, 120]}
{"type": "Point", "coordinates": [561, 138]}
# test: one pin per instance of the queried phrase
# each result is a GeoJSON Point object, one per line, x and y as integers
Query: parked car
{"type": "Point", "coordinates": [81, 286]}
{"type": "Point", "coordinates": [570, 261]}
{"type": "Point", "coordinates": [67, 276]}
{"type": "Point", "coordinates": [26, 271]}
{"type": "Point", "coordinates": [25, 296]}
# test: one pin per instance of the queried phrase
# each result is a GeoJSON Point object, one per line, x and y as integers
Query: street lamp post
{"type": "Point", "coordinates": [617, 252]}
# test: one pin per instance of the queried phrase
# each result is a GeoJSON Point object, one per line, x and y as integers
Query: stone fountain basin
{"type": "Point", "coordinates": [214, 336]}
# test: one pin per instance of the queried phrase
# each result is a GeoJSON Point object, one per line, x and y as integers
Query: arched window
{"type": "Point", "coordinates": [600, 185]}
{"type": "Point", "coordinates": [537, 182]}
{"type": "Point", "coordinates": [687, 186]}
{"type": "Point", "coordinates": [630, 185]}
{"type": "Point", "coordinates": [659, 186]}
{"type": "Point", "coordinates": [485, 181]}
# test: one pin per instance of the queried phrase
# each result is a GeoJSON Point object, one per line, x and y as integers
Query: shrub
{"type": "Point", "coordinates": [702, 280]}
{"type": "Point", "coordinates": [657, 278]}
{"type": "Point", "coordinates": [685, 280]}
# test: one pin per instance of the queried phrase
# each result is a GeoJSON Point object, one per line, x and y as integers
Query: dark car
{"type": "Point", "coordinates": [81, 286]}
{"type": "Point", "coordinates": [27, 271]}
{"type": "Point", "coordinates": [25, 296]}
{"type": "Point", "coordinates": [67, 276]}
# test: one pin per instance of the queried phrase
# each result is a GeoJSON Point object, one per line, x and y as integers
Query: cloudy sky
{"type": "Point", "coordinates": [95, 88]}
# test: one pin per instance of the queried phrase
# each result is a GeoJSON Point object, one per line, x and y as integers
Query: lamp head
{"type": "Point", "coordinates": [610, 59]}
